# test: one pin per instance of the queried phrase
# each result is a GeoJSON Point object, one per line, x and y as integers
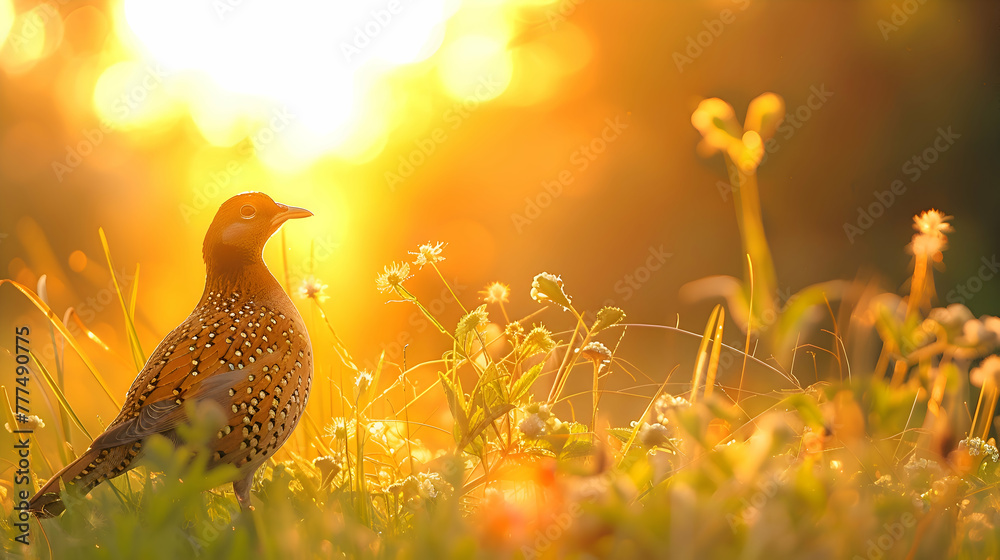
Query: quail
{"type": "Point", "coordinates": [244, 347]}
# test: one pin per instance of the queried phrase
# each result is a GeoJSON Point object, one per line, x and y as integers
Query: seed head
{"type": "Point", "coordinates": [312, 288]}
{"type": "Point", "coordinates": [428, 254]}
{"type": "Point", "coordinates": [395, 274]}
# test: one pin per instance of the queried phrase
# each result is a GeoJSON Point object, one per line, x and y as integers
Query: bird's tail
{"type": "Point", "coordinates": [82, 475]}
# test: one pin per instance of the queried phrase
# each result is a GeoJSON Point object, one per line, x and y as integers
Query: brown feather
{"type": "Point", "coordinates": [244, 347]}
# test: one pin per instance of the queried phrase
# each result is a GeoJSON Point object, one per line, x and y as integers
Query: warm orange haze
{"type": "Point", "coordinates": [576, 271]}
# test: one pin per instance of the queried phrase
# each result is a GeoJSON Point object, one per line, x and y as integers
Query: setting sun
{"type": "Point", "coordinates": [287, 75]}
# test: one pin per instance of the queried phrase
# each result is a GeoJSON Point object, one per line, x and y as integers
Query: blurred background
{"type": "Point", "coordinates": [526, 135]}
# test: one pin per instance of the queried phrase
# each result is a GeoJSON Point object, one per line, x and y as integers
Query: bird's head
{"type": "Point", "coordinates": [240, 229]}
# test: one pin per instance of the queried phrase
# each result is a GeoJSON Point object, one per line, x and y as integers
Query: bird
{"type": "Point", "coordinates": [244, 347]}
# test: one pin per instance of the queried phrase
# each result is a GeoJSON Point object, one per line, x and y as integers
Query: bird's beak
{"type": "Point", "coordinates": [288, 213]}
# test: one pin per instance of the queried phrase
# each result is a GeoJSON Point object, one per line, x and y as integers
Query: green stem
{"type": "Point", "coordinates": [569, 359]}
{"type": "Point", "coordinates": [597, 397]}
{"type": "Point", "coordinates": [405, 294]}
{"type": "Point", "coordinates": [447, 285]}
{"type": "Point", "coordinates": [750, 220]}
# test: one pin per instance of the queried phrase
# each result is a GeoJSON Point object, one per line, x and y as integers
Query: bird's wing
{"type": "Point", "coordinates": [165, 415]}
{"type": "Point", "coordinates": [208, 356]}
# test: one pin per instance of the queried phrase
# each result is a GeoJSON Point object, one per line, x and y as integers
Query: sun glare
{"type": "Point", "coordinates": [6, 19]}
{"type": "Point", "coordinates": [315, 78]}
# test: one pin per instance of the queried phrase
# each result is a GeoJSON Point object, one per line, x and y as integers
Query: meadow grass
{"type": "Point", "coordinates": [880, 457]}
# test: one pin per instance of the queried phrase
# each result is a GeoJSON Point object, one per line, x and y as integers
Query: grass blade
{"type": "Point", "coordinates": [60, 396]}
{"type": "Point", "coordinates": [133, 336]}
{"type": "Point", "coordinates": [135, 292]}
{"type": "Point", "coordinates": [702, 362]}
{"type": "Point", "coordinates": [713, 361]}
{"type": "Point", "coordinates": [63, 331]}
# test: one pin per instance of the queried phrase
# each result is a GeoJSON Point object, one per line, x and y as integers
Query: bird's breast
{"type": "Point", "coordinates": [252, 357]}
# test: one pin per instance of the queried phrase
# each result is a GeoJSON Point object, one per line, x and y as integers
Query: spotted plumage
{"type": "Point", "coordinates": [243, 347]}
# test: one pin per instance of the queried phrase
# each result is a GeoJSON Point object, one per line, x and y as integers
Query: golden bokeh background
{"type": "Point", "coordinates": [527, 135]}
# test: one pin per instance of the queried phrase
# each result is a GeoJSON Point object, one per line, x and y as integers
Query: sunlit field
{"type": "Point", "coordinates": [580, 278]}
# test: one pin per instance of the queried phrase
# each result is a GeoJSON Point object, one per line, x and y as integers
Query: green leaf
{"type": "Point", "coordinates": [456, 403]}
{"type": "Point", "coordinates": [493, 395]}
{"type": "Point", "coordinates": [800, 312]}
{"type": "Point", "coordinates": [621, 434]}
{"type": "Point", "coordinates": [523, 385]}
{"type": "Point", "coordinates": [606, 317]}
{"type": "Point", "coordinates": [537, 448]}
{"type": "Point", "coordinates": [481, 421]}
{"type": "Point", "coordinates": [806, 407]}
{"type": "Point", "coordinates": [576, 448]}
{"type": "Point", "coordinates": [989, 471]}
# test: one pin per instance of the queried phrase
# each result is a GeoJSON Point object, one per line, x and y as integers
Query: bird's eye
{"type": "Point", "coordinates": [247, 211]}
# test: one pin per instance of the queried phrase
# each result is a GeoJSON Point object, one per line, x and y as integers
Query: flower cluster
{"type": "Point", "coordinates": [425, 486]}
{"type": "Point", "coordinates": [539, 421]}
{"type": "Point", "coordinates": [31, 423]}
{"type": "Point", "coordinates": [668, 405]}
{"type": "Point", "coordinates": [977, 446]}
{"type": "Point", "coordinates": [654, 435]}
